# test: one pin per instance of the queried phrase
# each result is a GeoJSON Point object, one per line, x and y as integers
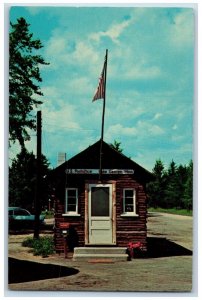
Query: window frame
{"type": "Point", "coordinates": [129, 213]}
{"type": "Point", "coordinates": [71, 212]}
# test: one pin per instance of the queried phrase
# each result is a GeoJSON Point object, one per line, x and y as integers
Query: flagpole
{"type": "Point", "coordinates": [103, 116]}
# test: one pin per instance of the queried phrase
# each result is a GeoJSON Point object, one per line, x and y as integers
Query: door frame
{"type": "Point", "coordinates": [113, 208]}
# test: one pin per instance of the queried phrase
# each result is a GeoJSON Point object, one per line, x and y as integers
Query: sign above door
{"type": "Point", "coordinates": [96, 171]}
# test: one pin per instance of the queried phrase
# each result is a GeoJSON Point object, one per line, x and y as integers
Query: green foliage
{"type": "Point", "coordinates": [188, 188]}
{"type": "Point", "coordinates": [48, 214]}
{"type": "Point", "coordinates": [29, 242]}
{"type": "Point", "coordinates": [24, 76]}
{"type": "Point", "coordinates": [116, 145]}
{"type": "Point", "coordinates": [22, 180]}
{"type": "Point", "coordinates": [43, 246]}
{"type": "Point", "coordinates": [172, 188]}
{"type": "Point", "coordinates": [172, 193]}
{"type": "Point", "coordinates": [156, 188]}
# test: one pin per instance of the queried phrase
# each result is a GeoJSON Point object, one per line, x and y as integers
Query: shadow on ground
{"type": "Point", "coordinates": [161, 247]}
{"type": "Point", "coordinates": [23, 271]}
{"type": "Point", "coordinates": [46, 228]}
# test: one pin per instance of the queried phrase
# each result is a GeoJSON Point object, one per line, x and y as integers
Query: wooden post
{"type": "Point", "coordinates": [65, 246]}
{"type": "Point", "coordinates": [64, 227]}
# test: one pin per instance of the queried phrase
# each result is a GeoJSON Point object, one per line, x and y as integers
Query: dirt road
{"type": "Point", "coordinates": [168, 267]}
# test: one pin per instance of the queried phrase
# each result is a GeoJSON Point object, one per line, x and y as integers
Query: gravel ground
{"type": "Point", "coordinates": [168, 268]}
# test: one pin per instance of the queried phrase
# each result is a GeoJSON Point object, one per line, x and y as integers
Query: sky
{"type": "Point", "coordinates": [150, 80]}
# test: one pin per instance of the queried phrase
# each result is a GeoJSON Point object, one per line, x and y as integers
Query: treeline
{"type": "Point", "coordinates": [172, 187]}
{"type": "Point", "coordinates": [22, 181]}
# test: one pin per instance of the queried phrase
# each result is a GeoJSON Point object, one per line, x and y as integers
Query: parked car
{"type": "Point", "coordinates": [22, 218]}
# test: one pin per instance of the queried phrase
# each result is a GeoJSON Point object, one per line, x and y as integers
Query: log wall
{"type": "Point", "coordinates": [131, 229]}
{"type": "Point", "coordinates": [128, 229]}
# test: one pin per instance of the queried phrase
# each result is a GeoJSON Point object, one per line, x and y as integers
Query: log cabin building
{"type": "Point", "coordinates": [106, 212]}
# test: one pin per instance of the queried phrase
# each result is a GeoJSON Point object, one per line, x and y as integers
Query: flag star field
{"type": "Point", "coordinates": [149, 84]}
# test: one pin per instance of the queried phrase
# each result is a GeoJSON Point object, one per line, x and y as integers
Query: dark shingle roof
{"type": "Point", "coordinates": [111, 159]}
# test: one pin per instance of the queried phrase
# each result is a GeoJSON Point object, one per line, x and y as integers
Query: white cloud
{"type": "Point", "coordinates": [132, 62]}
{"type": "Point", "coordinates": [113, 32]}
{"type": "Point", "coordinates": [63, 119]}
{"type": "Point", "coordinates": [84, 53]}
{"type": "Point", "coordinates": [79, 85]}
{"type": "Point", "coordinates": [51, 91]}
{"type": "Point", "coordinates": [143, 72]}
{"type": "Point", "coordinates": [146, 127]}
{"type": "Point", "coordinates": [53, 98]}
{"type": "Point", "coordinates": [56, 45]}
{"type": "Point", "coordinates": [82, 56]}
{"type": "Point", "coordinates": [182, 31]}
{"type": "Point", "coordinates": [155, 130]}
{"type": "Point", "coordinates": [120, 130]}
{"type": "Point", "coordinates": [157, 116]}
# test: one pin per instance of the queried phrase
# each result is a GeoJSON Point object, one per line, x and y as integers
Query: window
{"type": "Point", "coordinates": [100, 201]}
{"type": "Point", "coordinates": [129, 202]}
{"type": "Point", "coordinates": [22, 212]}
{"type": "Point", "coordinates": [71, 201]}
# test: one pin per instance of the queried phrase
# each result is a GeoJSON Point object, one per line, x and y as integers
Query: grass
{"type": "Point", "coordinates": [175, 211]}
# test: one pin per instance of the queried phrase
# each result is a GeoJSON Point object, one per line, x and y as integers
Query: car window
{"type": "Point", "coordinates": [21, 212]}
{"type": "Point", "coordinates": [10, 212]}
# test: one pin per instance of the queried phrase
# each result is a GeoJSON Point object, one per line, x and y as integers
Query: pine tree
{"type": "Point", "coordinates": [181, 177]}
{"type": "Point", "coordinates": [188, 188]}
{"type": "Point", "coordinates": [117, 146]}
{"type": "Point", "coordinates": [172, 188]}
{"type": "Point", "coordinates": [171, 192]}
{"type": "Point", "coordinates": [24, 76]}
{"type": "Point", "coordinates": [155, 189]}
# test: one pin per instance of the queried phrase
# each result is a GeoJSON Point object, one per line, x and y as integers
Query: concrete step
{"type": "Point", "coordinates": [100, 254]}
{"type": "Point", "coordinates": [100, 250]}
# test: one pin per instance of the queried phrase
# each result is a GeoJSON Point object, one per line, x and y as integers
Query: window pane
{"type": "Point", "coordinates": [72, 200]}
{"type": "Point", "coordinates": [21, 213]}
{"type": "Point", "coordinates": [128, 193]}
{"type": "Point", "coordinates": [100, 201]}
{"type": "Point", "coordinates": [129, 208]}
{"type": "Point", "coordinates": [129, 201]}
{"type": "Point", "coordinates": [71, 193]}
{"type": "Point", "coordinates": [71, 207]}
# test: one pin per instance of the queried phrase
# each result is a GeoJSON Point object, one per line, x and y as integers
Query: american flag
{"type": "Point", "coordinates": [100, 91]}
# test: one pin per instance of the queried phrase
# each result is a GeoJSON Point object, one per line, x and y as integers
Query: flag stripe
{"type": "Point", "coordinates": [100, 91]}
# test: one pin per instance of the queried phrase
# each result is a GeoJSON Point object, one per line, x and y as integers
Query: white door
{"type": "Point", "coordinates": [100, 214]}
